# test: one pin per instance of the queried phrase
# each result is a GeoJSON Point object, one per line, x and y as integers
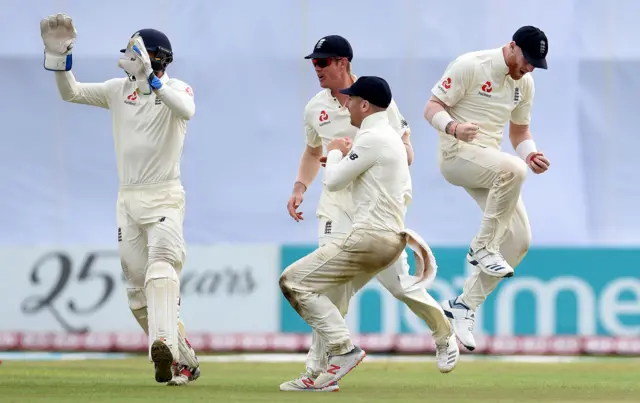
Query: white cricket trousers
{"type": "Point", "coordinates": [494, 179]}
{"type": "Point", "coordinates": [152, 253]}
{"type": "Point", "coordinates": [396, 279]}
{"type": "Point", "coordinates": [360, 255]}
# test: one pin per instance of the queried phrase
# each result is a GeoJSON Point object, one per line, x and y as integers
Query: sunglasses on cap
{"type": "Point", "coordinates": [322, 63]}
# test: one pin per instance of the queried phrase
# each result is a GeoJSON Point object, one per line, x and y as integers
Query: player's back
{"type": "Point", "coordinates": [382, 193]}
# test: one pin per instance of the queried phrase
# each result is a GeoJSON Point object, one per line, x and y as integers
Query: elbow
{"type": "Point", "coordinates": [332, 184]}
{"type": "Point", "coordinates": [430, 109]}
{"type": "Point", "coordinates": [410, 153]}
{"type": "Point", "coordinates": [188, 111]}
{"type": "Point", "coordinates": [426, 112]}
{"type": "Point", "coordinates": [189, 114]}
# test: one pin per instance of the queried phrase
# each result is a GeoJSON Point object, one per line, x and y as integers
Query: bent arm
{"type": "Point", "coordinates": [406, 139]}
{"type": "Point", "coordinates": [94, 94]}
{"type": "Point", "coordinates": [179, 98]}
{"type": "Point", "coordinates": [401, 126]}
{"type": "Point", "coordinates": [340, 172]}
{"type": "Point", "coordinates": [309, 167]}
{"type": "Point", "coordinates": [435, 112]}
{"type": "Point", "coordinates": [519, 132]}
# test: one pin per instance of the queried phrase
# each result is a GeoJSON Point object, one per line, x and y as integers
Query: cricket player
{"type": "Point", "coordinates": [376, 166]}
{"type": "Point", "coordinates": [327, 118]}
{"type": "Point", "coordinates": [149, 113]}
{"type": "Point", "coordinates": [471, 103]}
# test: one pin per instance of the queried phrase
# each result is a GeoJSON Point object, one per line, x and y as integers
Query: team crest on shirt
{"type": "Point", "coordinates": [131, 98]}
{"type": "Point", "coordinates": [324, 118]}
{"type": "Point", "coordinates": [445, 85]}
{"type": "Point", "coordinates": [486, 89]}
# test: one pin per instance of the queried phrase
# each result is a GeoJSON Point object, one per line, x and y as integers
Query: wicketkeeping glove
{"type": "Point", "coordinates": [136, 62]}
{"type": "Point", "coordinates": [59, 37]}
{"type": "Point", "coordinates": [133, 65]}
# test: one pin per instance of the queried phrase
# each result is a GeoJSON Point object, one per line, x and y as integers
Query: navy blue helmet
{"type": "Point", "coordinates": [157, 42]}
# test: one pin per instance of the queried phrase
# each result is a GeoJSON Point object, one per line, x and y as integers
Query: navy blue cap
{"type": "Point", "coordinates": [534, 45]}
{"type": "Point", "coordinates": [331, 46]}
{"type": "Point", "coordinates": [370, 88]}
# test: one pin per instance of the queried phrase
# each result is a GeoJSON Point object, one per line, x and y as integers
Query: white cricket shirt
{"type": "Point", "coordinates": [148, 130]}
{"type": "Point", "coordinates": [477, 89]}
{"type": "Point", "coordinates": [377, 167]}
{"type": "Point", "coordinates": [326, 119]}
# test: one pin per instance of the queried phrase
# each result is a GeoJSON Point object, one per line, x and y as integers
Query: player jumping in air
{"type": "Point", "coordinates": [471, 103]}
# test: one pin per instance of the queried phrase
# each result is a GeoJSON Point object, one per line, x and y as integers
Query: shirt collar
{"type": "Point", "coordinates": [374, 120]}
{"type": "Point", "coordinates": [498, 63]}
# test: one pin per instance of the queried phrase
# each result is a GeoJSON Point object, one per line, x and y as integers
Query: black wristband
{"type": "Point", "coordinates": [448, 126]}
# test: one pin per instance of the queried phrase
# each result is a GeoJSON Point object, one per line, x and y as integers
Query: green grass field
{"type": "Point", "coordinates": [131, 380]}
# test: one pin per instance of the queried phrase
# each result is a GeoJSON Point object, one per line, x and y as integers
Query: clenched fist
{"type": "Point", "coordinates": [343, 144]}
{"type": "Point", "coordinates": [465, 131]}
{"type": "Point", "coordinates": [538, 162]}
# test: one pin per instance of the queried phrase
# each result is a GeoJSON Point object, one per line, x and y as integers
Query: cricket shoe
{"type": "Point", "coordinates": [339, 366]}
{"type": "Point", "coordinates": [162, 360]}
{"type": "Point", "coordinates": [462, 320]}
{"type": "Point", "coordinates": [491, 263]}
{"type": "Point", "coordinates": [306, 383]}
{"type": "Point", "coordinates": [183, 375]}
{"type": "Point", "coordinates": [447, 354]}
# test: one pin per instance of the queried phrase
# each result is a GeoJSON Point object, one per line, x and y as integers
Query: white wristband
{"type": "Point", "coordinates": [525, 148]}
{"type": "Point", "coordinates": [440, 120]}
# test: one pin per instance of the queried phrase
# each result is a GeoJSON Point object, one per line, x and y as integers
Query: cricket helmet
{"type": "Point", "coordinates": [157, 42]}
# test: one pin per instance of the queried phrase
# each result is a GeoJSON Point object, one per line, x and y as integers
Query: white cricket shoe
{"type": "Point", "coordinates": [462, 320]}
{"type": "Point", "coordinates": [339, 366]}
{"type": "Point", "coordinates": [183, 375]}
{"type": "Point", "coordinates": [306, 383]}
{"type": "Point", "coordinates": [490, 262]}
{"type": "Point", "coordinates": [447, 354]}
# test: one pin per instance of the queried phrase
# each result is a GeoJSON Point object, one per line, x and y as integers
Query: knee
{"type": "Point", "coordinates": [286, 283]}
{"type": "Point", "coordinates": [161, 270]}
{"type": "Point", "coordinates": [286, 286]}
{"type": "Point", "coordinates": [397, 291]}
{"type": "Point", "coordinates": [174, 255]}
{"type": "Point", "coordinates": [514, 170]}
{"type": "Point", "coordinates": [137, 299]}
{"type": "Point", "coordinates": [517, 247]}
{"type": "Point", "coordinates": [134, 272]}
{"type": "Point", "coordinates": [523, 242]}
